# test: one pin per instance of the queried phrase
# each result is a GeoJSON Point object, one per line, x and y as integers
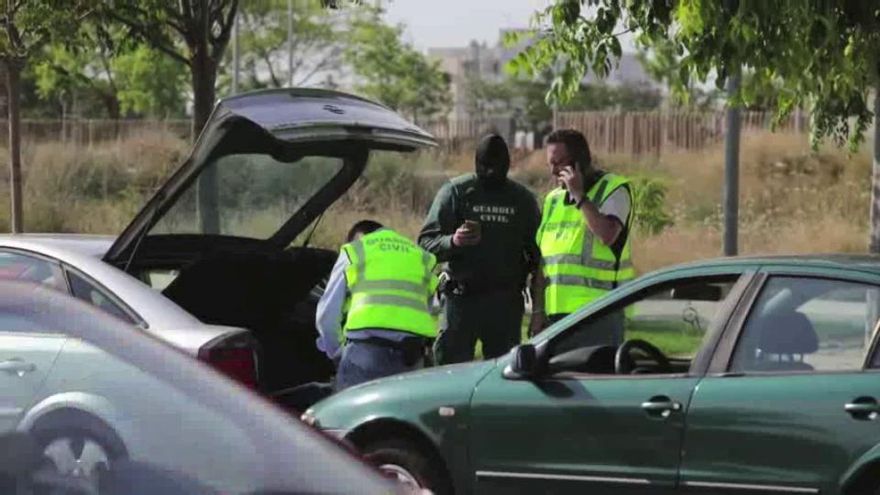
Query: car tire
{"type": "Point", "coordinates": [409, 464]}
{"type": "Point", "coordinates": [78, 444]}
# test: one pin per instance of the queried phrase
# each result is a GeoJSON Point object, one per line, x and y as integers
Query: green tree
{"type": "Point", "coordinates": [626, 97]}
{"type": "Point", "coordinates": [263, 44]}
{"type": "Point", "coordinates": [534, 109]}
{"type": "Point", "coordinates": [526, 97]}
{"type": "Point", "coordinates": [149, 83]}
{"type": "Point", "coordinates": [663, 65]}
{"type": "Point", "coordinates": [63, 75]}
{"type": "Point", "coordinates": [484, 97]}
{"type": "Point", "coordinates": [32, 104]}
{"type": "Point", "coordinates": [25, 27]}
{"type": "Point", "coordinates": [391, 70]}
{"type": "Point", "coordinates": [194, 33]}
{"type": "Point", "coordinates": [824, 56]}
{"type": "Point", "coordinates": [121, 76]}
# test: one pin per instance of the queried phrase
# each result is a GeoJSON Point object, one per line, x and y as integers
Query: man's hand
{"type": "Point", "coordinates": [606, 228]}
{"type": "Point", "coordinates": [536, 324]}
{"type": "Point", "coordinates": [465, 236]}
{"type": "Point", "coordinates": [573, 181]}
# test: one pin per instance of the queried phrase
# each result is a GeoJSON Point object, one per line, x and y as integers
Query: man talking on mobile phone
{"type": "Point", "coordinates": [584, 238]}
{"type": "Point", "coordinates": [483, 225]}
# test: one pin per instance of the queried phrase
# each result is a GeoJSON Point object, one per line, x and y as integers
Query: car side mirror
{"type": "Point", "coordinates": [525, 360]}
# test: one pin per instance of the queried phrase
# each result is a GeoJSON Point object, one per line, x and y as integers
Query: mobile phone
{"type": "Point", "coordinates": [472, 225]}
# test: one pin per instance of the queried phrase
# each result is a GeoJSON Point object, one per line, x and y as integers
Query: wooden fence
{"type": "Point", "coordinates": [93, 131]}
{"type": "Point", "coordinates": [608, 132]}
{"type": "Point", "coordinates": [624, 132]}
{"type": "Point", "coordinates": [653, 132]}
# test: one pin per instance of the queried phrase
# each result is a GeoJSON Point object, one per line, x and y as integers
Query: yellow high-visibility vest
{"type": "Point", "coordinates": [390, 280]}
{"type": "Point", "coordinates": [578, 268]}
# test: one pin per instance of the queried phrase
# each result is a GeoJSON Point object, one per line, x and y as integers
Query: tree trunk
{"type": "Point", "coordinates": [873, 297]}
{"type": "Point", "coordinates": [204, 75]}
{"type": "Point", "coordinates": [13, 92]}
{"type": "Point", "coordinates": [111, 104]}
{"type": "Point", "coordinates": [874, 245]}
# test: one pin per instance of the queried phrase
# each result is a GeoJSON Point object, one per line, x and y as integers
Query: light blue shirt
{"type": "Point", "coordinates": [329, 316]}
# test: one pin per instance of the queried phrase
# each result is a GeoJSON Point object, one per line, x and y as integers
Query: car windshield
{"type": "Point", "coordinates": [247, 195]}
{"type": "Point", "coordinates": [103, 405]}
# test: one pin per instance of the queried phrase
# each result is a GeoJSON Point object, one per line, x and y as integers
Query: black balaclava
{"type": "Point", "coordinates": [492, 161]}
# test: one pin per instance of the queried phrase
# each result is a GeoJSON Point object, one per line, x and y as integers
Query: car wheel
{"type": "Point", "coordinates": [82, 449]}
{"type": "Point", "coordinates": [405, 462]}
{"type": "Point", "coordinates": [77, 455]}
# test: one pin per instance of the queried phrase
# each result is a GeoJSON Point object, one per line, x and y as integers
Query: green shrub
{"type": "Point", "coordinates": [649, 205]}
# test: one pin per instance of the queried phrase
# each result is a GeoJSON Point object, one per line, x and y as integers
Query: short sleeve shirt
{"type": "Point", "coordinates": [617, 205]}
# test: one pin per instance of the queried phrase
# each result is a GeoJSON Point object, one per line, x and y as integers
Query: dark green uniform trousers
{"type": "Point", "coordinates": [495, 318]}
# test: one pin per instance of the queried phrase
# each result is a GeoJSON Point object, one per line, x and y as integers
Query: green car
{"type": "Point", "coordinates": [734, 376]}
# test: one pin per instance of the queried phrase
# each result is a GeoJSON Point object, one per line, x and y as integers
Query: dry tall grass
{"type": "Point", "coordinates": [71, 188]}
{"type": "Point", "coordinates": [793, 200]}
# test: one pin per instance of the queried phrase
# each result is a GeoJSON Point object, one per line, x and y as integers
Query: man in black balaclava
{"type": "Point", "coordinates": [483, 225]}
{"type": "Point", "coordinates": [492, 161]}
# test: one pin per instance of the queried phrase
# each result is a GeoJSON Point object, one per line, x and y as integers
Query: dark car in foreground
{"type": "Point", "coordinates": [736, 376]}
{"type": "Point", "coordinates": [88, 405]}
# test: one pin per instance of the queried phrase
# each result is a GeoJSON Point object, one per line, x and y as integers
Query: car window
{"type": "Point", "coordinates": [674, 317]}
{"type": "Point", "coordinates": [84, 290]}
{"type": "Point", "coordinates": [807, 324]}
{"type": "Point", "coordinates": [255, 195]}
{"type": "Point", "coordinates": [25, 268]}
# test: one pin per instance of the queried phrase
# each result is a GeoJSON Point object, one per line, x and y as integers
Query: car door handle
{"type": "Point", "coordinates": [661, 406]}
{"type": "Point", "coordinates": [17, 366]}
{"type": "Point", "coordinates": [863, 408]}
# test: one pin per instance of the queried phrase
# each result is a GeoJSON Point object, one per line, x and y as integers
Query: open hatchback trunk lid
{"type": "Point", "coordinates": [265, 167]}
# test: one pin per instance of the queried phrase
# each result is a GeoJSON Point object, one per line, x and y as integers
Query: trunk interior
{"type": "Point", "coordinates": [273, 293]}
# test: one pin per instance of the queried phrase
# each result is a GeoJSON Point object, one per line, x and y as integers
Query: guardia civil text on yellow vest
{"type": "Point", "coordinates": [390, 280]}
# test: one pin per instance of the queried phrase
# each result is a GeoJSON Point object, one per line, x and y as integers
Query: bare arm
{"type": "Point", "coordinates": [606, 227]}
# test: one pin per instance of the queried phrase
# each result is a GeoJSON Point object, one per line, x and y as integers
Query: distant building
{"type": "Point", "coordinates": [474, 61]}
{"type": "Point", "coordinates": [487, 63]}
